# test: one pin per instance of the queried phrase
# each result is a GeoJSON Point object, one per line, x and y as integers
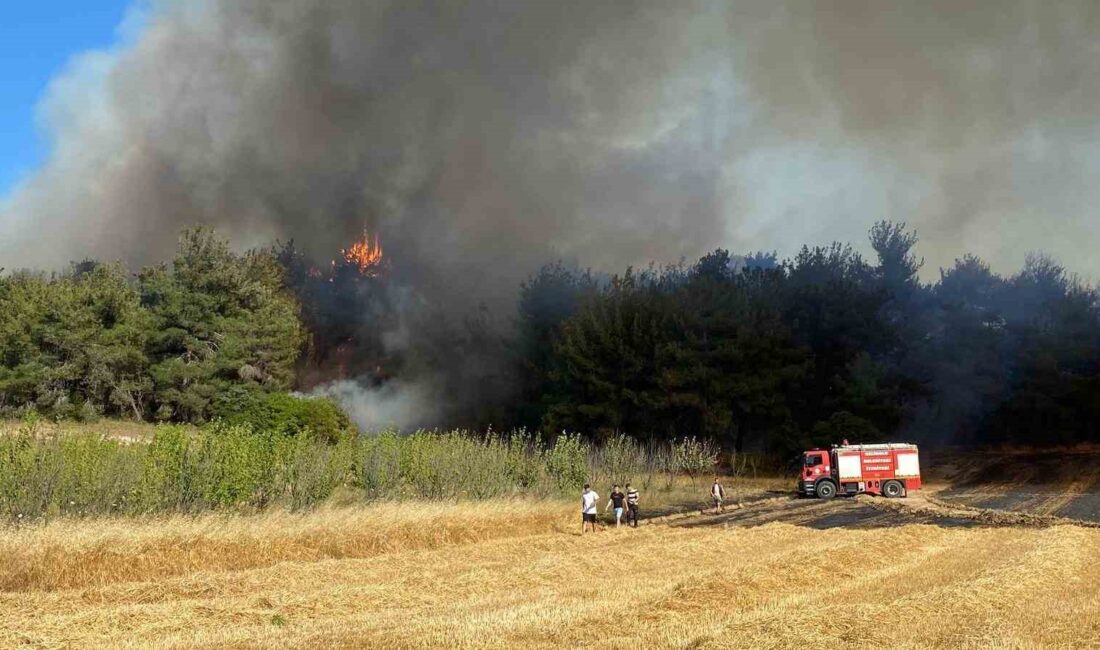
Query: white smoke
{"type": "Point", "coordinates": [393, 405]}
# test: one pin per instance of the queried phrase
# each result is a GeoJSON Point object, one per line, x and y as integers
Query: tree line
{"type": "Point", "coordinates": [183, 341]}
{"type": "Point", "coordinates": [775, 355]}
{"type": "Point", "coordinates": [752, 352]}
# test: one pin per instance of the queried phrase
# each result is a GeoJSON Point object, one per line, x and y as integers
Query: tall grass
{"type": "Point", "coordinates": [234, 467]}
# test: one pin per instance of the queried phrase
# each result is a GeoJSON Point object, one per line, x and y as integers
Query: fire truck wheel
{"type": "Point", "coordinates": [892, 489]}
{"type": "Point", "coordinates": [825, 490]}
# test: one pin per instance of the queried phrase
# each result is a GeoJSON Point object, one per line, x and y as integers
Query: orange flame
{"type": "Point", "coordinates": [366, 254]}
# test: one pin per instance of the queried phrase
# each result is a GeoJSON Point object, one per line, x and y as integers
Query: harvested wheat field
{"type": "Point", "coordinates": [468, 575]}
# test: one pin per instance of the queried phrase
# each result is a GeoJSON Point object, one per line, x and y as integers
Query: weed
{"type": "Point", "coordinates": [236, 467]}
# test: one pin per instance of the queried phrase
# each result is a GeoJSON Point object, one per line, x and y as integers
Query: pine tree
{"type": "Point", "coordinates": [219, 319]}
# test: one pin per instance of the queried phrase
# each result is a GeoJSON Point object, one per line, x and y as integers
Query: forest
{"type": "Point", "coordinates": [752, 352]}
{"type": "Point", "coordinates": [765, 354]}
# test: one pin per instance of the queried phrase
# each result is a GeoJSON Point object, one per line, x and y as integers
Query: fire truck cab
{"type": "Point", "coordinates": [891, 469]}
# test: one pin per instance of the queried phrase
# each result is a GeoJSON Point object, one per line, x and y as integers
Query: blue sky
{"type": "Point", "coordinates": [37, 38]}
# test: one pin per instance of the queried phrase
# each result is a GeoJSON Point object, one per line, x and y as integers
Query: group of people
{"type": "Point", "coordinates": [622, 503]}
{"type": "Point", "coordinates": [627, 503]}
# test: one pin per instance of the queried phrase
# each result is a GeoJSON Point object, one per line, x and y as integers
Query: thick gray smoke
{"type": "Point", "coordinates": [478, 140]}
{"type": "Point", "coordinates": [483, 138]}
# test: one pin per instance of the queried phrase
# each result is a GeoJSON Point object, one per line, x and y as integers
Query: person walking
{"type": "Point", "coordinates": [631, 506]}
{"type": "Point", "coordinates": [589, 499]}
{"type": "Point", "coordinates": [717, 494]}
{"type": "Point", "coordinates": [618, 501]}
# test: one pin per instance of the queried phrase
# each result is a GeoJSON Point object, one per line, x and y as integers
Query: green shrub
{"type": "Point", "coordinates": [95, 475]}
{"type": "Point", "coordinates": [441, 465]}
{"type": "Point", "coordinates": [486, 466]}
{"type": "Point", "coordinates": [167, 476]}
{"type": "Point", "coordinates": [524, 460]}
{"type": "Point", "coordinates": [379, 464]}
{"type": "Point", "coordinates": [618, 460]}
{"type": "Point", "coordinates": [694, 457]}
{"type": "Point", "coordinates": [234, 466]}
{"type": "Point", "coordinates": [28, 475]}
{"type": "Point", "coordinates": [281, 413]}
{"type": "Point", "coordinates": [567, 462]}
{"type": "Point", "coordinates": [311, 469]}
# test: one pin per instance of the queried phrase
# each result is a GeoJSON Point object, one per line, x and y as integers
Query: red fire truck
{"type": "Point", "coordinates": [888, 469]}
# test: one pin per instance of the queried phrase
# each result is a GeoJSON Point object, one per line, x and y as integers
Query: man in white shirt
{"type": "Point", "coordinates": [589, 498]}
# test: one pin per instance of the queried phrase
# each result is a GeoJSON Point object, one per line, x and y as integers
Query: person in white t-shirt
{"type": "Point", "coordinates": [717, 494]}
{"type": "Point", "coordinates": [589, 499]}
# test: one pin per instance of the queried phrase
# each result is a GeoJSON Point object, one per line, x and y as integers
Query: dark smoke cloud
{"type": "Point", "coordinates": [479, 139]}
{"type": "Point", "coordinates": [482, 138]}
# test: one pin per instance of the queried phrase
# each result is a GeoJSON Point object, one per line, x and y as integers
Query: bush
{"type": "Point", "coordinates": [567, 462]}
{"type": "Point", "coordinates": [524, 459]}
{"type": "Point", "coordinates": [454, 464]}
{"type": "Point", "coordinates": [233, 466]}
{"type": "Point", "coordinates": [28, 475]}
{"type": "Point", "coordinates": [694, 457]}
{"type": "Point", "coordinates": [94, 475]}
{"type": "Point", "coordinates": [167, 476]}
{"type": "Point", "coordinates": [617, 461]}
{"type": "Point", "coordinates": [379, 464]}
{"type": "Point", "coordinates": [282, 413]}
{"type": "Point", "coordinates": [311, 471]}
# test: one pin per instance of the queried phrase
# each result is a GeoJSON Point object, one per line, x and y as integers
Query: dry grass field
{"type": "Point", "coordinates": [122, 430]}
{"type": "Point", "coordinates": [519, 575]}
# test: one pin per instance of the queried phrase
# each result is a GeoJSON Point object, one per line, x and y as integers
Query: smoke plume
{"type": "Point", "coordinates": [481, 138]}
{"type": "Point", "coordinates": [394, 405]}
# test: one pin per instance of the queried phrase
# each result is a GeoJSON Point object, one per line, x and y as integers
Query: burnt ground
{"type": "Point", "coordinates": [1074, 505]}
{"type": "Point", "coordinates": [842, 512]}
{"type": "Point", "coordinates": [687, 507]}
{"type": "Point", "coordinates": [1057, 483]}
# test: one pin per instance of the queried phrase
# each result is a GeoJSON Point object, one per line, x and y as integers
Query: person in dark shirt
{"type": "Point", "coordinates": [618, 501]}
{"type": "Point", "coordinates": [631, 505]}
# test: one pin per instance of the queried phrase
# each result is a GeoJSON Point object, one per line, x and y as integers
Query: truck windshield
{"type": "Point", "coordinates": [812, 460]}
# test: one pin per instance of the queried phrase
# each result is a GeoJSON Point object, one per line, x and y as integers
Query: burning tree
{"type": "Point", "coordinates": [345, 307]}
{"type": "Point", "coordinates": [365, 254]}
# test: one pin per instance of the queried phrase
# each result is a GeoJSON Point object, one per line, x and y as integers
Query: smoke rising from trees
{"type": "Point", "coordinates": [482, 139]}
